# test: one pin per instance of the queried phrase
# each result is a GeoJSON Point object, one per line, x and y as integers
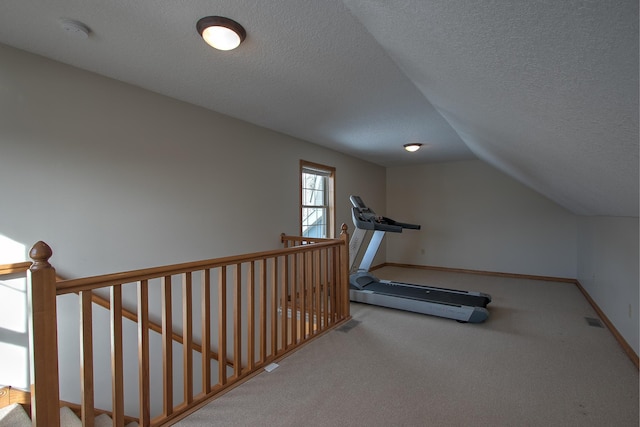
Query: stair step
{"type": "Point", "coordinates": [103, 420]}
{"type": "Point", "coordinates": [14, 415]}
{"type": "Point", "coordinates": [68, 418]}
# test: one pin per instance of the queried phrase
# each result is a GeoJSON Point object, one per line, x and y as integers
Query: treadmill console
{"type": "Point", "coordinates": [358, 203]}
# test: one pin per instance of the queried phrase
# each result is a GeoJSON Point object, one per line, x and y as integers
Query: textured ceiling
{"type": "Point", "coordinates": [545, 91]}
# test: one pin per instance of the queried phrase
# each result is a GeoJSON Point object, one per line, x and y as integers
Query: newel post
{"type": "Point", "coordinates": [344, 269]}
{"type": "Point", "coordinates": [45, 394]}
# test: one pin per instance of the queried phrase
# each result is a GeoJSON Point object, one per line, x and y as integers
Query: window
{"type": "Point", "coordinates": [317, 200]}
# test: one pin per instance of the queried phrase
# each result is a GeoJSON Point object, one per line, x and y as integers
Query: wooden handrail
{"type": "Point", "coordinates": [285, 239]}
{"type": "Point", "coordinates": [15, 268]}
{"type": "Point", "coordinates": [96, 282]}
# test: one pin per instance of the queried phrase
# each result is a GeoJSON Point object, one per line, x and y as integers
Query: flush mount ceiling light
{"type": "Point", "coordinates": [221, 33]}
{"type": "Point", "coordinates": [412, 147]}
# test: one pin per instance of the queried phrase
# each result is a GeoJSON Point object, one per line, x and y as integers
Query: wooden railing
{"type": "Point", "coordinates": [251, 310]}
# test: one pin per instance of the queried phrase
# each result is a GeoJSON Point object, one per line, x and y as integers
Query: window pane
{"type": "Point", "coordinates": [313, 189]}
{"type": "Point", "coordinates": [314, 222]}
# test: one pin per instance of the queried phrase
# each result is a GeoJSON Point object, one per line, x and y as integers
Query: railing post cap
{"type": "Point", "coordinates": [344, 228]}
{"type": "Point", "coordinates": [40, 253]}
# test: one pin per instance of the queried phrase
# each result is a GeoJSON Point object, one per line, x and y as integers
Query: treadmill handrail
{"type": "Point", "coordinates": [374, 223]}
{"type": "Point", "coordinates": [366, 219]}
{"type": "Point", "coordinates": [401, 224]}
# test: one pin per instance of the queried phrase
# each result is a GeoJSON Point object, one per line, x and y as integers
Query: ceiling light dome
{"type": "Point", "coordinates": [415, 146]}
{"type": "Point", "coordinates": [221, 33]}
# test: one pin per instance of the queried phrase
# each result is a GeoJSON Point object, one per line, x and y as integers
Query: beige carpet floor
{"type": "Point", "coordinates": [535, 362]}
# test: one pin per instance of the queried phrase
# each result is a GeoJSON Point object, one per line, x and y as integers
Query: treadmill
{"type": "Point", "coordinates": [462, 306]}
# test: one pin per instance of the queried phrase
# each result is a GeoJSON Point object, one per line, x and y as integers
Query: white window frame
{"type": "Point", "coordinates": [328, 204]}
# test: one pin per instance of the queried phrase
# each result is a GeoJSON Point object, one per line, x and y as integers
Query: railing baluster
{"type": "Point", "coordinates": [312, 291]}
{"type": "Point", "coordinates": [167, 347]}
{"type": "Point", "coordinates": [343, 268]}
{"type": "Point", "coordinates": [187, 331]}
{"type": "Point", "coordinates": [222, 326]}
{"type": "Point", "coordinates": [251, 314]}
{"type": "Point", "coordinates": [334, 287]}
{"type": "Point", "coordinates": [273, 283]}
{"type": "Point", "coordinates": [117, 372]}
{"type": "Point", "coordinates": [237, 322]}
{"type": "Point", "coordinates": [331, 285]}
{"type": "Point", "coordinates": [325, 286]}
{"type": "Point", "coordinates": [326, 283]}
{"type": "Point", "coordinates": [86, 359]}
{"type": "Point", "coordinates": [143, 352]}
{"type": "Point", "coordinates": [294, 300]}
{"type": "Point", "coordinates": [206, 331]}
{"type": "Point", "coordinates": [263, 310]}
{"type": "Point", "coordinates": [284, 306]}
{"type": "Point", "coordinates": [331, 278]}
{"type": "Point", "coordinates": [303, 293]}
{"type": "Point", "coordinates": [317, 288]}
{"type": "Point", "coordinates": [308, 294]}
{"type": "Point", "coordinates": [317, 321]}
{"type": "Point", "coordinates": [339, 296]}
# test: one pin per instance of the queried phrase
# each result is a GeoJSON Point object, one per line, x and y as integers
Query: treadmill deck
{"type": "Point", "coordinates": [427, 293]}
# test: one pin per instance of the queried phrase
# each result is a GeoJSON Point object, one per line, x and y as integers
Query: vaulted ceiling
{"type": "Point", "coordinates": [546, 91]}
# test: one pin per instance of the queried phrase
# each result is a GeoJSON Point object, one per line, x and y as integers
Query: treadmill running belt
{"type": "Point", "coordinates": [427, 294]}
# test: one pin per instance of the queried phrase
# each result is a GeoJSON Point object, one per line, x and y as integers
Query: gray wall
{"type": "Point", "coordinates": [114, 177]}
{"type": "Point", "coordinates": [475, 217]}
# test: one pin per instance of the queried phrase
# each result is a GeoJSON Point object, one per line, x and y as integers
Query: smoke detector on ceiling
{"type": "Point", "coordinates": [75, 28]}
